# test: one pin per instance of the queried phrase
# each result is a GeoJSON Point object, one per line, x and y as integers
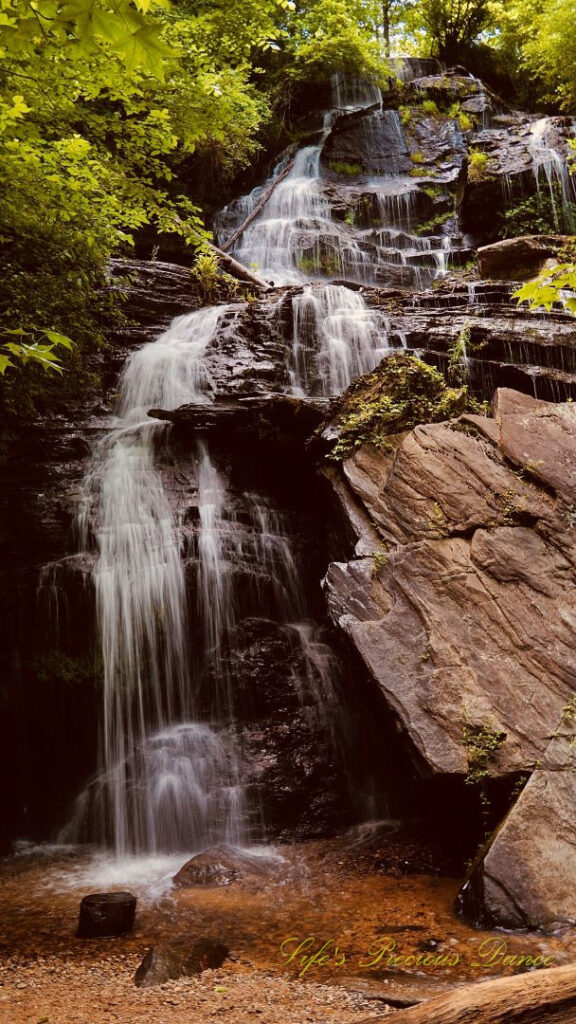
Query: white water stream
{"type": "Point", "coordinates": [551, 173]}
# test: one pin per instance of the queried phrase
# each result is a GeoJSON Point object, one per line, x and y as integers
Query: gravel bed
{"type": "Point", "coordinates": [50, 991]}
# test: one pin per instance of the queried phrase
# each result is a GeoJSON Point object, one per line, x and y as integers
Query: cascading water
{"type": "Point", "coordinates": [335, 339]}
{"type": "Point", "coordinates": [296, 236]}
{"type": "Point", "coordinates": [167, 782]}
{"type": "Point", "coordinates": [551, 171]}
{"type": "Point", "coordinates": [172, 773]}
{"type": "Point", "coordinates": [171, 781]}
{"type": "Point", "coordinates": [287, 241]}
{"type": "Point", "coordinates": [351, 92]}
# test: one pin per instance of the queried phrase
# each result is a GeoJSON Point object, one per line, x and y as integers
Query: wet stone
{"type": "Point", "coordinates": [179, 959]}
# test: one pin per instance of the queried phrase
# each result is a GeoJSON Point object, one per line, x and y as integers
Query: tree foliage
{"type": "Point", "coordinates": [323, 36]}
{"type": "Point", "coordinates": [452, 26]}
{"type": "Point", "coordinates": [99, 104]}
{"type": "Point", "coordinates": [537, 39]}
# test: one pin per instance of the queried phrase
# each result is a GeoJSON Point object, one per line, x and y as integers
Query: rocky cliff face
{"type": "Point", "coordinates": [460, 599]}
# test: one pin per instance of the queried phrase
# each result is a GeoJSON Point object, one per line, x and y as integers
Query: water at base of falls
{"type": "Point", "coordinates": [177, 790]}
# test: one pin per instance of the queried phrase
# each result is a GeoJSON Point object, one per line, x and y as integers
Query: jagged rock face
{"type": "Point", "coordinates": [469, 620]}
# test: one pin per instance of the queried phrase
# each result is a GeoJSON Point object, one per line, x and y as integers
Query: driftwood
{"type": "Point", "coordinates": [236, 269]}
{"type": "Point", "coordinates": [540, 997]}
{"type": "Point", "coordinates": [261, 202]}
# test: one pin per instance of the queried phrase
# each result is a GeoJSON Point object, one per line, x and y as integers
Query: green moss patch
{"type": "Point", "coordinates": [402, 392]}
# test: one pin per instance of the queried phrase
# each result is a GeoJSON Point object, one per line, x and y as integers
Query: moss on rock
{"type": "Point", "coordinates": [401, 392]}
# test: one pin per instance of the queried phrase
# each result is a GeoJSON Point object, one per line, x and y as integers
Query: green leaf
{"type": "Point", "coordinates": [5, 362]}
{"type": "Point", "coordinates": [58, 339]}
{"type": "Point", "coordinates": [144, 49]}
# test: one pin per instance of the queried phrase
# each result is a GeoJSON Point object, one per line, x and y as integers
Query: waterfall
{"type": "Point", "coordinates": [351, 92]}
{"type": "Point", "coordinates": [335, 339]}
{"type": "Point", "coordinates": [171, 773]}
{"type": "Point", "coordinates": [170, 594]}
{"type": "Point", "coordinates": [166, 782]}
{"type": "Point", "coordinates": [284, 240]}
{"type": "Point", "coordinates": [551, 168]}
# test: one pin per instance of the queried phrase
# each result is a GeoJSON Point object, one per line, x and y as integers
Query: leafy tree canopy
{"type": "Point", "coordinates": [99, 101]}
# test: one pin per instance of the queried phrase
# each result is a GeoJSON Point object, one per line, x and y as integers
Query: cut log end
{"type": "Point", "coordinates": [106, 914]}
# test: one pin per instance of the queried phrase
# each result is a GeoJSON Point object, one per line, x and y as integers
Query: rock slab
{"type": "Point", "coordinates": [179, 959]}
{"type": "Point", "coordinates": [465, 615]}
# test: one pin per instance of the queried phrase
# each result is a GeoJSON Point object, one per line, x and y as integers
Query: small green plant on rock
{"type": "Point", "coordinates": [437, 522]}
{"type": "Point", "coordinates": [342, 167]}
{"type": "Point", "coordinates": [430, 108]}
{"type": "Point", "coordinates": [512, 506]}
{"type": "Point", "coordinates": [211, 280]}
{"type": "Point", "coordinates": [477, 166]}
{"type": "Point", "coordinates": [429, 227]}
{"type": "Point", "coordinates": [402, 392]}
{"type": "Point", "coordinates": [379, 560]}
{"type": "Point", "coordinates": [482, 743]}
{"type": "Point", "coordinates": [458, 353]}
{"type": "Point", "coordinates": [540, 214]}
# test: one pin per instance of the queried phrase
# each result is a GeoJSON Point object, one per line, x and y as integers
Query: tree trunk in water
{"type": "Point", "coordinates": [106, 913]}
{"type": "Point", "coordinates": [236, 269]}
{"type": "Point", "coordinates": [259, 205]}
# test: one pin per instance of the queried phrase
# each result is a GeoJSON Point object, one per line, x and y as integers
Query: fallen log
{"type": "Point", "coordinates": [236, 269]}
{"type": "Point", "coordinates": [540, 997]}
{"type": "Point", "coordinates": [259, 205]}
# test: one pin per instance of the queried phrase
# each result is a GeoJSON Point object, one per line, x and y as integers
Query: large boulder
{"type": "Point", "coordinates": [516, 259]}
{"type": "Point", "coordinates": [527, 876]}
{"type": "Point", "coordinates": [224, 864]}
{"type": "Point", "coordinates": [466, 612]}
